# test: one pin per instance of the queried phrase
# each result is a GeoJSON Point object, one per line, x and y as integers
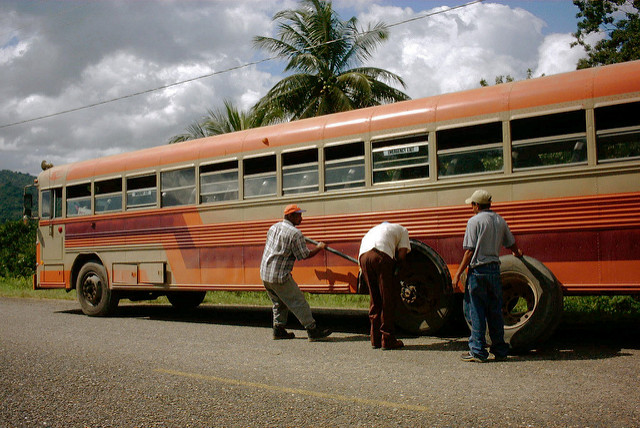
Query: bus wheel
{"type": "Point", "coordinates": [531, 302]}
{"type": "Point", "coordinates": [186, 300]}
{"type": "Point", "coordinates": [426, 291]}
{"type": "Point", "coordinates": [95, 296]}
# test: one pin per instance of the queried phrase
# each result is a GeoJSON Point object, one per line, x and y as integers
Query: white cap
{"type": "Point", "coordinates": [480, 197]}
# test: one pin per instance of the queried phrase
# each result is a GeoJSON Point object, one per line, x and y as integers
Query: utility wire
{"type": "Point", "coordinates": [227, 70]}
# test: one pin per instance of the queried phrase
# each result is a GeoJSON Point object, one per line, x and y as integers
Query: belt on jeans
{"type": "Point", "coordinates": [486, 265]}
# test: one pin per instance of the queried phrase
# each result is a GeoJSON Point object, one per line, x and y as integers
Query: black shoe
{"type": "Point", "coordinates": [280, 333]}
{"type": "Point", "coordinates": [317, 333]}
{"type": "Point", "coordinates": [500, 358]}
{"type": "Point", "coordinates": [395, 344]}
{"type": "Point", "coordinates": [469, 357]}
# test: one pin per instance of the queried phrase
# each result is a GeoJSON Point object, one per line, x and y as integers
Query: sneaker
{"type": "Point", "coordinates": [316, 333]}
{"type": "Point", "coordinates": [500, 358]}
{"type": "Point", "coordinates": [469, 357]}
{"type": "Point", "coordinates": [280, 333]}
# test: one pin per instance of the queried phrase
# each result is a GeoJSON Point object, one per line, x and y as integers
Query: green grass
{"type": "Point", "coordinates": [22, 287]}
{"type": "Point", "coordinates": [577, 308]}
{"type": "Point", "coordinates": [603, 308]}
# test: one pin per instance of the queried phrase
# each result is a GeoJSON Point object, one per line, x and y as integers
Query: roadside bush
{"type": "Point", "coordinates": [17, 249]}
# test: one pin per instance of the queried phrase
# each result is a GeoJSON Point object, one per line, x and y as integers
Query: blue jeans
{"type": "Point", "coordinates": [483, 307]}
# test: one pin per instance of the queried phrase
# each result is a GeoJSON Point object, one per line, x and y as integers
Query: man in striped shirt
{"type": "Point", "coordinates": [286, 244]}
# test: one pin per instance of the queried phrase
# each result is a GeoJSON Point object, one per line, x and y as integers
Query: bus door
{"type": "Point", "coordinates": [51, 239]}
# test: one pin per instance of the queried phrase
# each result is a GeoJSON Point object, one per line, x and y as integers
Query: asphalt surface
{"type": "Point", "coordinates": [218, 367]}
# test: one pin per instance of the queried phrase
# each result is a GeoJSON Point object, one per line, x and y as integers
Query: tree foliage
{"type": "Point", "coordinates": [11, 188]}
{"type": "Point", "coordinates": [222, 121]}
{"type": "Point", "coordinates": [17, 248]}
{"type": "Point", "coordinates": [507, 79]}
{"type": "Point", "coordinates": [321, 50]}
{"type": "Point", "coordinates": [620, 20]}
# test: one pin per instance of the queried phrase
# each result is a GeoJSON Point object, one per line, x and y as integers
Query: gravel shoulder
{"type": "Point", "coordinates": [148, 366]}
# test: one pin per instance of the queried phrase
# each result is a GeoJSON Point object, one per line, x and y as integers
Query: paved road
{"type": "Point", "coordinates": [147, 367]}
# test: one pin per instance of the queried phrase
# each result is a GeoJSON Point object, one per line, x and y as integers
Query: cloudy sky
{"type": "Point", "coordinates": [57, 56]}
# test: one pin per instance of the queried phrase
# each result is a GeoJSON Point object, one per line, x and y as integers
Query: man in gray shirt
{"type": "Point", "coordinates": [486, 234]}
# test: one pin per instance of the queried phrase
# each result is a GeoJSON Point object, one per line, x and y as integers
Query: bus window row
{"type": "Point", "coordinates": [543, 141]}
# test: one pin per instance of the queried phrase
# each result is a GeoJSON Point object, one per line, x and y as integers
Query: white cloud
{"type": "Point", "coordinates": [555, 54]}
{"type": "Point", "coordinates": [452, 51]}
{"type": "Point", "coordinates": [57, 55]}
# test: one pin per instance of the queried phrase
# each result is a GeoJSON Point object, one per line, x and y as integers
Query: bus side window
{"type": "Point", "coordinates": [618, 132]}
{"type": "Point", "coordinates": [260, 176]}
{"type": "Point", "coordinates": [219, 182]}
{"type": "Point", "coordinates": [300, 171]}
{"type": "Point", "coordinates": [79, 200]}
{"type": "Point", "coordinates": [344, 166]}
{"type": "Point", "coordinates": [51, 206]}
{"type": "Point", "coordinates": [549, 140]}
{"type": "Point", "coordinates": [45, 204]}
{"type": "Point", "coordinates": [142, 192]}
{"type": "Point", "coordinates": [470, 149]}
{"type": "Point", "coordinates": [57, 202]}
{"type": "Point", "coordinates": [108, 195]}
{"type": "Point", "coordinates": [400, 159]}
{"type": "Point", "coordinates": [178, 187]}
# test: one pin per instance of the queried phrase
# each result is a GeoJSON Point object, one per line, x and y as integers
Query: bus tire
{"type": "Point", "coordinates": [92, 287]}
{"type": "Point", "coordinates": [531, 302]}
{"type": "Point", "coordinates": [186, 300]}
{"type": "Point", "coordinates": [426, 292]}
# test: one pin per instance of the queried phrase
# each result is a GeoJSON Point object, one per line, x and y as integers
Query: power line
{"type": "Point", "coordinates": [227, 70]}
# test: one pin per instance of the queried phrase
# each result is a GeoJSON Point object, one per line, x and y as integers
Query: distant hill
{"type": "Point", "coordinates": [11, 188]}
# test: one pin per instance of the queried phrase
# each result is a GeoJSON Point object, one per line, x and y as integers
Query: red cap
{"type": "Point", "coordinates": [293, 208]}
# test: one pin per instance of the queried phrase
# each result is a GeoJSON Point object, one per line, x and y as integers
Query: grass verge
{"type": "Point", "coordinates": [576, 308]}
{"type": "Point", "coordinates": [22, 287]}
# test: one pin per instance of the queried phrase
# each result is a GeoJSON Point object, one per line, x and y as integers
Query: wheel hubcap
{"type": "Point", "coordinates": [519, 299]}
{"type": "Point", "coordinates": [91, 289]}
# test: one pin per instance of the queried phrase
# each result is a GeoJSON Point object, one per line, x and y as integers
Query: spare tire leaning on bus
{"type": "Point", "coordinates": [532, 302]}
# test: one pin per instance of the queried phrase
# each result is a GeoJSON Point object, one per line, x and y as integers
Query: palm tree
{"type": "Point", "coordinates": [321, 48]}
{"type": "Point", "coordinates": [193, 131]}
{"type": "Point", "coordinates": [221, 121]}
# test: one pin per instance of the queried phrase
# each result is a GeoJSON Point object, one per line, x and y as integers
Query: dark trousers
{"type": "Point", "coordinates": [377, 273]}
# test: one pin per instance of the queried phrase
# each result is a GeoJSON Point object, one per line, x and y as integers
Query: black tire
{"type": "Point", "coordinates": [92, 286]}
{"type": "Point", "coordinates": [532, 302]}
{"type": "Point", "coordinates": [426, 292]}
{"type": "Point", "coordinates": [186, 300]}
{"type": "Point", "coordinates": [527, 281]}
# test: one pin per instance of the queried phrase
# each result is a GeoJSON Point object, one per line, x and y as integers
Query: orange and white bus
{"type": "Point", "coordinates": [560, 154]}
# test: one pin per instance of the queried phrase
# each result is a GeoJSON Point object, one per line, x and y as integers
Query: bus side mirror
{"type": "Point", "coordinates": [27, 206]}
{"type": "Point", "coordinates": [27, 202]}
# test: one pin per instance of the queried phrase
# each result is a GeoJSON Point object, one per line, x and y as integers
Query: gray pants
{"type": "Point", "coordinates": [287, 297]}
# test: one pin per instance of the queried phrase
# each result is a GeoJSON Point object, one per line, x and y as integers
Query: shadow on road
{"type": "Point", "coordinates": [584, 340]}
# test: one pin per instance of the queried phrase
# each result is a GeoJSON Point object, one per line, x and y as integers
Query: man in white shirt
{"type": "Point", "coordinates": [379, 250]}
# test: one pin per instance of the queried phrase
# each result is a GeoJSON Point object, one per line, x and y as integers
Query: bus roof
{"type": "Point", "coordinates": [568, 87]}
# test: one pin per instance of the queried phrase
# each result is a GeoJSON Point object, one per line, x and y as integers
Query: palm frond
{"type": "Point", "coordinates": [322, 49]}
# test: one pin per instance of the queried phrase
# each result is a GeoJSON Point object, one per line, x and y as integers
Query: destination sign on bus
{"type": "Point", "coordinates": [401, 151]}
